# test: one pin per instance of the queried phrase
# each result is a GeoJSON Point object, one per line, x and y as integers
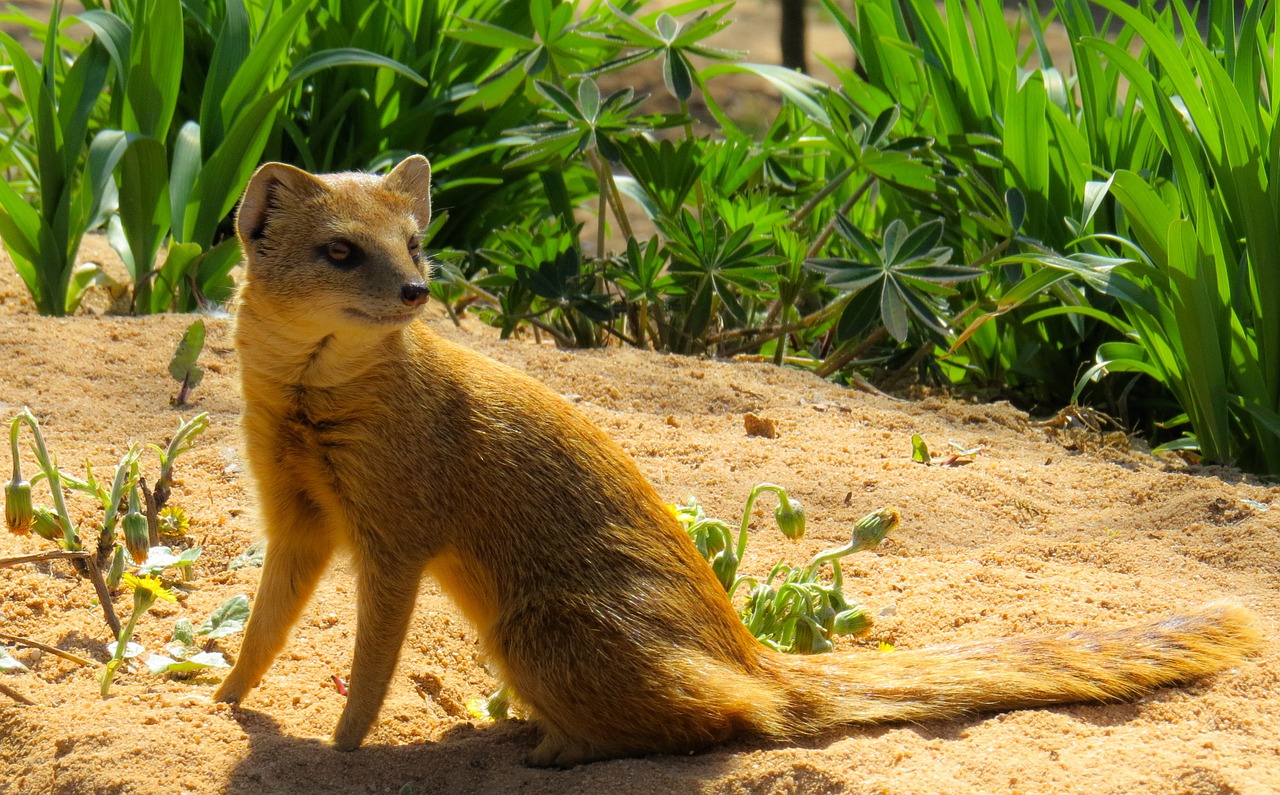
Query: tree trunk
{"type": "Point", "coordinates": [794, 51]}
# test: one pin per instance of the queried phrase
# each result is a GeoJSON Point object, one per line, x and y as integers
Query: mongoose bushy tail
{"type": "Point", "coordinates": [1005, 673]}
{"type": "Point", "coordinates": [367, 432]}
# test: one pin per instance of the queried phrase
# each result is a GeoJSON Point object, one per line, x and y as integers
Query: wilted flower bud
{"type": "Point", "coordinates": [137, 536]}
{"type": "Point", "coordinates": [871, 529]}
{"type": "Point", "coordinates": [47, 525]}
{"type": "Point", "coordinates": [790, 516]}
{"type": "Point", "coordinates": [851, 622]}
{"type": "Point", "coordinates": [825, 615]}
{"type": "Point", "coordinates": [810, 638]}
{"type": "Point", "coordinates": [725, 565]}
{"type": "Point", "coordinates": [17, 505]}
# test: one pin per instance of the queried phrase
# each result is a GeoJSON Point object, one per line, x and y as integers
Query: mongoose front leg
{"type": "Point", "coordinates": [298, 548]}
{"type": "Point", "coordinates": [385, 596]}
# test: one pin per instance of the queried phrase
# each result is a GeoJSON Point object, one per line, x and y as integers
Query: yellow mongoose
{"type": "Point", "coordinates": [367, 431]}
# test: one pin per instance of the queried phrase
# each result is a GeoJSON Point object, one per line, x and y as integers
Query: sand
{"type": "Point", "coordinates": [1042, 533]}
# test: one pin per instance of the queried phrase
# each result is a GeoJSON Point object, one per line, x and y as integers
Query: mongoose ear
{"type": "Point", "coordinates": [264, 195]}
{"type": "Point", "coordinates": [412, 177]}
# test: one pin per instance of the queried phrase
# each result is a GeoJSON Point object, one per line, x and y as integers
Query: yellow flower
{"type": "Point", "coordinates": [173, 521]}
{"type": "Point", "coordinates": [149, 585]}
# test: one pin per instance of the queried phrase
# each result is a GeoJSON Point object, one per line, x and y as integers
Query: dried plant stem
{"type": "Point", "coordinates": [35, 644]}
{"type": "Point", "coordinates": [841, 358]}
{"type": "Point", "coordinates": [37, 557]}
{"type": "Point", "coordinates": [763, 335]}
{"type": "Point", "coordinates": [16, 696]}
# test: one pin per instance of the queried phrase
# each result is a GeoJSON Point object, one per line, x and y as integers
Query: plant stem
{"type": "Point", "coordinates": [16, 696]}
{"type": "Point", "coordinates": [57, 554]}
{"type": "Point", "coordinates": [615, 196]}
{"type": "Point", "coordinates": [746, 514]}
{"type": "Point", "coordinates": [35, 644]}
{"type": "Point", "coordinates": [812, 319]}
{"type": "Point", "coordinates": [840, 359]}
{"type": "Point", "coordinates": [140, 605]}
{"type": "Point", "coordinates": [600, 214]}
{"type": "Point", "coordinates": [915, 359]}
{"type": "Point", "coordinates": [642, 325]}
{"type": "Point", "coordinates": [831, 225]}
{"type": "Point", "coordinates": [826, 191]}
{"type": "Point", "coordinates": [55, 480]}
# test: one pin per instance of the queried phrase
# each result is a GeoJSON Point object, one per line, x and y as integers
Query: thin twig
{"type": "Point", "coordinates": [16, 696]}
{"type": "Point", "coordinates": [911, 364]}
{"type": "Point", "coordinates": [826, 191]}
{"type": "Point", "coordinates": [838, 360]}
{"type": "Point", "coordinates": [821, 239]}
{"type": "Point", "coordinates": [104, 596]}
{"type": "Point", "coordinates": [35, 644]}
{"type": "Point", "coordinates": [763, 335]}
{"type": "Point", "coordinates": [57, 554]}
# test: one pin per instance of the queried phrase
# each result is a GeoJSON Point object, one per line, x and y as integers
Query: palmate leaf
{"type": "Point", "coordinates": [860, 315]}
{"type": "Point", "coordinates": [847, 275]}
{"type": "Point", "coordinates": [912, 272]}
{"type": "Point", "coordinates": [664, 172]}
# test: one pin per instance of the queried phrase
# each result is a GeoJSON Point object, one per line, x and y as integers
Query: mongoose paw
{"type": "Point", "coordinates": [557, 753]}
{"type": "Point", "coordinates": [228, 693]}
{"type": "Point", "coordinates": [341, 743]}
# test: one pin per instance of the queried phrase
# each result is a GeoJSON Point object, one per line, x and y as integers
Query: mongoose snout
{"type": "Point", "coordinates": [414, 293]}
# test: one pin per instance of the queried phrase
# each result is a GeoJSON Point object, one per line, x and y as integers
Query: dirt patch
{"type": "Point", "coordinates": [1029, 537]}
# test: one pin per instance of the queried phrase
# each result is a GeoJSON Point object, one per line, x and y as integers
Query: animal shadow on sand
{"type": "Point", "coordinates": [464, 760]}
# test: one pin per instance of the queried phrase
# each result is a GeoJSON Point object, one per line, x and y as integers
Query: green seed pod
{"type": "Point", "coordinates": [47, 525]}
{"type": "Point", "coordinates": [851, 622]}
{"type": "Point", "coordinates": [17, 506]}
{"type": "Point", "coordinates": [790, 516]}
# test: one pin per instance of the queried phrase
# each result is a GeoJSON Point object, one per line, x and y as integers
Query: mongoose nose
{"type": "Point", "coordinates": [414, 293]}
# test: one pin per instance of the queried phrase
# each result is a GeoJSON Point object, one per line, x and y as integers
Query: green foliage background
{"type": "Point", "coordinates": [956, 208]}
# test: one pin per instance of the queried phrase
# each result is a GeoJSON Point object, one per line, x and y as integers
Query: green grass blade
{"type": "Point", "coordinates": [1198, 313]}
{"type": "Point", "coordinates": [155, 69]}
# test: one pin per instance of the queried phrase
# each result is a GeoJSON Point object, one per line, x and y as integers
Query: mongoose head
{"type": "Point", "coordinates": [337, 251]}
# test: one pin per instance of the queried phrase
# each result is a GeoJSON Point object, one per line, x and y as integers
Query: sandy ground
{"type": "Point", "coordinates": [1031, 537]}
{"type": "Point", "coordinates": [1034, 536]}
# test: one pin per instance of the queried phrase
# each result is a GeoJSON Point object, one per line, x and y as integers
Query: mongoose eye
{"type": "Point", "coordinates": [338, 251]}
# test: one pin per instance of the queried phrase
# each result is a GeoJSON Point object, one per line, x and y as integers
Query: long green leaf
{"type": "Point", "coordinates": [155, 69]}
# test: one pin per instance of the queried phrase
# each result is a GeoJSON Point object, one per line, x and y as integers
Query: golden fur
{"type": "Point", "coordinates": [367, 431]}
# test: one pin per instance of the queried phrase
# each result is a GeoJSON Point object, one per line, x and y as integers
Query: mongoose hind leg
{"type": "Point", "coordinates": [386, 591]}
{"type": "Point", "coordinates": [298, 549]}
{"type": "Point", "coordinates": [601, 686]}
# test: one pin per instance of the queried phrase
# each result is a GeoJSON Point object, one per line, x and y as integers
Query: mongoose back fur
{"type": "Point", "coordinates": [367, 431]}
